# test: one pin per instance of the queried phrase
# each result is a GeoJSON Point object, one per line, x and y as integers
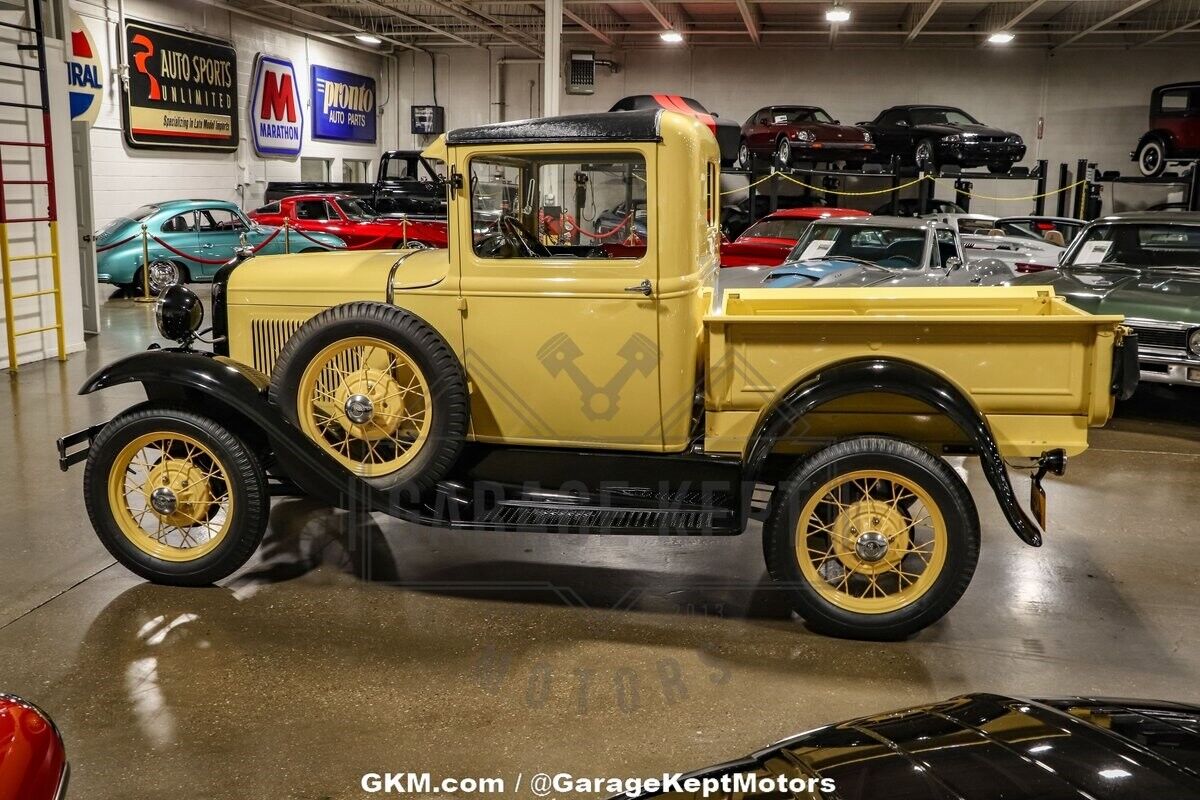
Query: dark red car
{"type": "Point", "coordinates": [768, 241]}
{"type": "Point", "coordinates": [726, 131]}
{"type": "Point", "coordinates": [352, 220]}
{"type": "Point", "coordinates": [1174, 133]}
{"type": "Point", "coordinates": [802, 133]}
{"type": "Point", "coordinates": [33, 761]}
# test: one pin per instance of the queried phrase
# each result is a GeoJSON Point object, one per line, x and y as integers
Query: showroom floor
{"type": "Point", "coordinates": [493, 654]}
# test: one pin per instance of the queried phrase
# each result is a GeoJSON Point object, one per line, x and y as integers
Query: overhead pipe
{"type": "Point", "coordinates": [498, 81]}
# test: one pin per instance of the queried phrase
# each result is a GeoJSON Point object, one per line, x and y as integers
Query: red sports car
{"type": "Point", "coordinates": [768, 241]}
{"type": "Point", "coordinates": [33, 762]}
{"type": "Point", "coordinates": [802, 133]}
{"type": "Point", "coordinates": [352, 220]}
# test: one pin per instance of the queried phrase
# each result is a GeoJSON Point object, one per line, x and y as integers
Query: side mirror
{"type": "Point", "coordinates": [953, 263]}
{"type": "Point", "coordinates": [903, 123]}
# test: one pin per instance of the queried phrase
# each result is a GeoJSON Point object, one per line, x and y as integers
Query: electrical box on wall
{"type": "Point", "coordinates": [581, 73]}
{"type": "Point", "coordinates": [428, 120]}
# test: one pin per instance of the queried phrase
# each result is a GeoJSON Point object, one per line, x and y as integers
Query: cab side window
{"type": "Point", "coordinates": [557, 206]}
{"type": "Point", "coordinates": [946, 248]}
{"type": "Point", "coordinates": [894, 118]}
{"type": "Point", "coordinates": [220, 219]}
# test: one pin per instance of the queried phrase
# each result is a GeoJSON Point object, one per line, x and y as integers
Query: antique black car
{"type": "Point", "coordinates": [931, 136]}
{"type": "Point", "coordinates": [1173, 132]}
{"type": "Point", "coordinates": [408, 185]}
{"type": "Point", "coordinates": [971, 747]}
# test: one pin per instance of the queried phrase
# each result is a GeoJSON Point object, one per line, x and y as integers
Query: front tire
{"type": "Point", "coordinates": [175, 496]}
{"type": "Point", "coordinates": [783, 153]}
{"type": "Point", "coordinates": [379, 390]}
{"type": "Point", "coordinates": [1152, 157]}
{"type": "Point", "coordinates": [926, 156]}
{"type": "Point", "coordinates": [745, 159]}
{"type": "Point", "coordinates": [876, 537]}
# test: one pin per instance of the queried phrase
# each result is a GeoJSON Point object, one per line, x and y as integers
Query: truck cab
{"type": "Point", "coordinates": [548, 373]}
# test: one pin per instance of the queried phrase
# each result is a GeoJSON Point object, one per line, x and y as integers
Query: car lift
{"type": "Point", "coordinates": [1189, 178]}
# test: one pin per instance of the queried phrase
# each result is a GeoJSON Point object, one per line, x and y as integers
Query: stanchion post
{"type": "Point", "coordinates": [1039, 202]}
{"type": "Point", "coordinates": [1193, 199]}
{"type": "Point", "coordinates": [1081, 174]}
{"type": "Point", "coordinates": [962, 193]}
{"type": "Point", "coordinates": [287, 240]}
{"type": "Point", "coordinates": [1063, 180]}
{"type": "Point", "coordinates": [145, 298]}
{"type": "Point", "coordinates": [894, 168]}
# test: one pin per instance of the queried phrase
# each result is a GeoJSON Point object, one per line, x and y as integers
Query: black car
{"type": "Point", "coordinates": [931, 136]}
{"type": "Point", "coordinates": [973, 747]}
{"type": "Point", "coordinates": [728, 132]}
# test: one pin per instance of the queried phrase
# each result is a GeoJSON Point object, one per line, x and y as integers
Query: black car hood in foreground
{"type": "Point", "coordinates": [990, 746]}
{"type": "Point", "coordinates": [945, 129]}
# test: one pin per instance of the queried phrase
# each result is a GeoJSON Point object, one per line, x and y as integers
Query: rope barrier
{"type": "Point", "coordinates": [1050, 193]}
{"type": "Point", "coordinates": [914, 182]}
{"type": "Point", "coordinates": [887, 190]}
{"type": "Point", "coordinates": [108, 247]}
{"type": "Point", "coordinates": [212, 261]}
{"type": "Point", "coordinates": [306, 236]}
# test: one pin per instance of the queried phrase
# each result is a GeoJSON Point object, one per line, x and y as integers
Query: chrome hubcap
{"type": "Point", "coordinates": [164, 501]}
{"type": "Point", "coordinates": [359, 408]}
{"type": "Point", "coordinates": [871, 546]}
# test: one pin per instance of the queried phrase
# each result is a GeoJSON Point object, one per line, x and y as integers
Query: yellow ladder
{"type": "Point", "coordinates": [7, 259]}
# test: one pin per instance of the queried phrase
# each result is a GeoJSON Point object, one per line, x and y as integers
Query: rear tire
{"type": "Point", "coordinates": [745, 159]}
{"type": "Point", "coordinates": [379, 390]}
{"type": "Point", "coordinates": [783, 153]}
{"type": "Point", "coordinates": [174, 496]}
{"type": "Point", "coordinates": [845, 534]}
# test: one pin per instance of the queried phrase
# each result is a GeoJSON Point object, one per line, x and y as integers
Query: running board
{"type": "Point", "coordinates": [533, 515]}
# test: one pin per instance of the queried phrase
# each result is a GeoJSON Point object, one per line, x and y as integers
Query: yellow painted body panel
{"type": "Point", "coordinates": [559, 353]}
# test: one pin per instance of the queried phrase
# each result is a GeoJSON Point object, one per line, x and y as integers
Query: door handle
{"type": "Point", "coordinates": [207, 245]}
{"type": "Point", "coordinates": [87, 237]}
{"type": "Point", "coordinates": [644, 288]}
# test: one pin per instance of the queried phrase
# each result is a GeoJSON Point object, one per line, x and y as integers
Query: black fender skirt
{"type": "Point", "coordinates": [901, 378]}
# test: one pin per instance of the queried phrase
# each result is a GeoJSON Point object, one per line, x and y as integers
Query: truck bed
{"type": "Point", "coordinates": [1039, 369]}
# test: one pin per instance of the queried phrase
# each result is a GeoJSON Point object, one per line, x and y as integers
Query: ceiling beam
{"type": "Point", "coordinates": [657, 13]}
{"type": "Point", "coordinates": [1022, 14]}
{"type": "Point", "coordinates": [1129, 9]}
{"type": "Point", "coordinates": [420, 23]}
{"type": "Point", "coordinates": [1184, 28]}
{"type": "Point", "coordinates": [750, 17]}
{"type": "Point", "coordinates": [589, 27]}
{"type": "Point", "coordinates": [342, 24]}
{"type": "Point", "coordinates": [923, 20]}
{"type": "Point", "coordinates": [480, 20]}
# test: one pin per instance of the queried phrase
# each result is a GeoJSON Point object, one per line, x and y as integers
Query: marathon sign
{"type": "Point", "coordinates": [343, 105]}
{"type": "Point", "coordinates": [182, 90]}
{"type": "Point", "coordinates": [276, 115]}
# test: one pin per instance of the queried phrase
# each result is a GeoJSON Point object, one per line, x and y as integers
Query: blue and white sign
{"type": "Point", "coordinates": [84, 78]}
{"type": "Point", "coordinates": [343, 105]}
{"type": "Point", "coordinates": [276, 115]}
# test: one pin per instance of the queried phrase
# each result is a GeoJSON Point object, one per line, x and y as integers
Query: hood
{"type": "Point", "coordinates": [331, 278]}
{"type": "Point", "coordinates": [859, 275]}
{"type": "Point", "coordinates": [1159, 295]}
{"type": "Point", "coordinates": [948, 128]}
{"type": "Point", "coordinates": [827, 131]}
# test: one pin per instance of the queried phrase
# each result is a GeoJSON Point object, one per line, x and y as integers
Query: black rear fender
{"type": "Point", "coordinates": [891, 376]}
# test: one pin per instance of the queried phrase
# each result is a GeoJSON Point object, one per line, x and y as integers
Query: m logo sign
{"type": "Point", "coordinates": [276, 115]}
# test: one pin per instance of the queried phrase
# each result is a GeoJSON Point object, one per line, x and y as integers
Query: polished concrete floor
{"type": "Point", "coordinates": [347, 648]}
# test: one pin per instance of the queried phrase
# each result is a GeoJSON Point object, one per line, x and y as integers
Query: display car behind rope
{"type": "Point", "coordinates": [514, 384]}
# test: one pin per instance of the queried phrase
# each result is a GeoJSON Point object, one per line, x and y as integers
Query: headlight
{"type": "Point", "coordinates": [954, 137]}
{"type": "Point", "coordinates": [1015, 139]}
{"type": "Point", "coordinates": [866, 136]}
{"type": "Point", "coordinates": [178, 312]}
{"type": "Point", "coordinates": [803, 136]}
{"type": "Point", "coordinates": [1194, 342]}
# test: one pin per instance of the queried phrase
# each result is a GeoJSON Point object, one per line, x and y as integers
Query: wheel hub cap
{"type": "Point", "coordinates": [178, 492]}
{"type": "Point", "coordinates": [359, 408]}
{"type": "Point", "coordinates": [870, 536]}
{"type": "Point", "coordinates": [871, 546]}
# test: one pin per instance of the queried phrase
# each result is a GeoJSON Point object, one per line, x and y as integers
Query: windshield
{"type": "Point", "coordinates": [795, 116]}
{"type": "Point", "coordinates": [1038, 228]}
{"type": "Point", "coordinates": [777, 229]}
{"type": "Point", "coordinates": [941, 116]}
{"type": "Point", "coordinates": [968, 225]}
{"type": "Point", "coordinates": [885, 245]}
{"type": "Point", "coordinates": [1151, 245]}
{"type": "Point", "coordinates": [357, 209]}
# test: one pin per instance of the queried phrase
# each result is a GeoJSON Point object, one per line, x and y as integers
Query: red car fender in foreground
{"type": "Point", "coordinates": [33, 761]}
{"type": "Point", "coordinates": [767, 242]}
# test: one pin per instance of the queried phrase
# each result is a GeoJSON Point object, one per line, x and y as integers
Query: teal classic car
{"type": "Point", "coordinates": [189, 240]}
{"type": "Point", "coordinates": [1145, 265]}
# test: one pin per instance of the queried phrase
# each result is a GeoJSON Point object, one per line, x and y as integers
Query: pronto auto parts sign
{"type": "Point", "coordinates": [343, 105]}
{"type": "Point", "coordinates": [276, 117]}
{"type": "Point", "coordinates": [182, 91]}
{"type": "Point", "coordinates": [85, 85]}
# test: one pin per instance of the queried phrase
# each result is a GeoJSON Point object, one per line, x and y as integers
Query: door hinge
{"type": "Point", "coordinates": [462, 304]}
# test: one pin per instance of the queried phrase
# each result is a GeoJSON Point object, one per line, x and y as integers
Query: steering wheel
{"type": "Point", "coordinates": [508, 239]}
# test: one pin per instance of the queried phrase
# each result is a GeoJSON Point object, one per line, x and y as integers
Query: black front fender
{"type": "Point", "coordinates": [211, 384]}
{"type": "Point", "coordinates": [903, 378]}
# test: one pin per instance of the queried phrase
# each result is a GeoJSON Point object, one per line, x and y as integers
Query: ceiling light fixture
{"type": "Point", "coordinates": [671, 36]}
{"type": "Point", "coordinates": [838, 13]}
{"type": "Point", "coordinates": [1001, 37]}
{"type": "Point", "coordinates": [367, 38]}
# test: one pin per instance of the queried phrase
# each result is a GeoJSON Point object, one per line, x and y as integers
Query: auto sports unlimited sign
{"type": "Point", "coordinates": [343, 105]}
{"type": "Point", "coordinates": [85, 85]}
{"type": "Point", "coordinates": [182, 91]}
{"type": "Point", "coordinates": [276, 117]}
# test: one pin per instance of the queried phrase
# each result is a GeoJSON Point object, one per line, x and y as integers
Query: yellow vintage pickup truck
{"type": "Point", "coordinates": [571, 363]}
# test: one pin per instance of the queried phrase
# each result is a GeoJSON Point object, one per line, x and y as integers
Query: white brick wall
{"type": "Point", "coordinates": [124, 178]}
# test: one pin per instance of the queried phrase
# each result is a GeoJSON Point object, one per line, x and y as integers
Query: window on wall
{"type": "Point", "coordinates": [315, 169]}
{"type": "Point", "coordinates": [355, 170]}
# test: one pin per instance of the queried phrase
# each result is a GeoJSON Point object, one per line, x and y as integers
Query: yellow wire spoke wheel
{"type": "Point", "coordinates": [170, 496]}
{"type": "Point", "coordinates": [871, 541]}
{"type": "Point", "coordinates": [366, 403]}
